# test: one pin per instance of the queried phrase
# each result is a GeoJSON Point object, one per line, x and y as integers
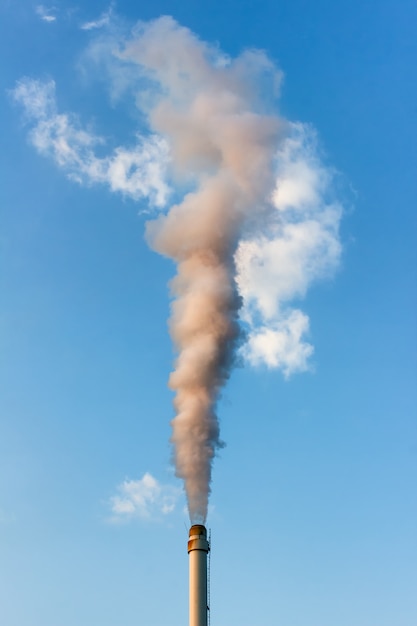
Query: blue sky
{"type": "Point", "coordinates": [313, 509]}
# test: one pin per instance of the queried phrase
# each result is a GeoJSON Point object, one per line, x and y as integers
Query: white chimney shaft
{"type": "Point", "coordinates": [198, 548]}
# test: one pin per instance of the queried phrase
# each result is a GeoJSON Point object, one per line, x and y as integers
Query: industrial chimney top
{"type": "Point", "coordinates": [198, 538]}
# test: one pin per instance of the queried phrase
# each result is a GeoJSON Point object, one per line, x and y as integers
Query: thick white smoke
{"type": "Point", "coordinates": [254, 227]}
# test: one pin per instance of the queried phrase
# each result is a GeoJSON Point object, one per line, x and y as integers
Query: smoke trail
{"type": "Point", "coordinates": [256, 196]}
{"type": "Point", "coordinates": [222, 143]}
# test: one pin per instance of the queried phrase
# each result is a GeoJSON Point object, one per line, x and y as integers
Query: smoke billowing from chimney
{"type": "Point", "coordinates": [257, 218]}
{"type": "Point", "coordinates": [222, 144]}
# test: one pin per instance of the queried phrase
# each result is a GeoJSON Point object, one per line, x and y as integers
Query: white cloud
{"type": "Point", "coordinates": [103, 20]}
{"type": "Point", "coordinates": [145, 498]}
{"type": "Point", "coordinates": [301, 247]}
{"type": "Point", "coordinates": [46, 14]}
{"type": "Point", "coordinates": [280, 344]}
{"type": "Point", "coordinates": [137, 171]}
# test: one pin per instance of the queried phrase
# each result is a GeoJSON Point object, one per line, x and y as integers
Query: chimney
{"type": "Point", "coordinates": [198, 548]}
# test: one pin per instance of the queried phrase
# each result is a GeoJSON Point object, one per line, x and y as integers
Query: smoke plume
{"type": "Point", "coordinates": [254, 222]}
{"type": "Point", "coordinates": [222, 145]}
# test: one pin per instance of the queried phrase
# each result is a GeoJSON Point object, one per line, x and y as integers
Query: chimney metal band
{"type": "Point", "coordinates": [198, 539]}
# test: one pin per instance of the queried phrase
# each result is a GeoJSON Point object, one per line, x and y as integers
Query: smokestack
{"type": "Point", "coordinates": [198, 548]}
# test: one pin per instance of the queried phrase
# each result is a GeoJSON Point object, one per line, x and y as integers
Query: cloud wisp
{"type": "Point", "coordinates": [101, 21]}
{"type": "Point", "coordinates": [47, 14]}
{"type": "Point", "coordinates": [137, 171]}
{"type": "Point", "coordinates": [144, 499]}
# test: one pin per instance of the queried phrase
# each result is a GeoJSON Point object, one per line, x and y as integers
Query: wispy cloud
{"type": "Point", "coordinates": [47, 14]}
{"type": "Point", "coordinates": [137, 171]}
{"type": "Point", "coordinates": [301, 247]}
{"type": "Point", "coordinates": [281, 344]}
{"type": "Point", "coordinates": [103, 20]}
{"type": "Point", "coordinates": [145, 499]}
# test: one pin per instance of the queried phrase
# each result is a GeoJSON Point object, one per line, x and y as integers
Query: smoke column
{"type": "Point", "coordinates": [222, 142]}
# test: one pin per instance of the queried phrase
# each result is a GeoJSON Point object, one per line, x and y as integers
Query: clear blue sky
{"type": "Point", "coordinates": [313, 508]}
